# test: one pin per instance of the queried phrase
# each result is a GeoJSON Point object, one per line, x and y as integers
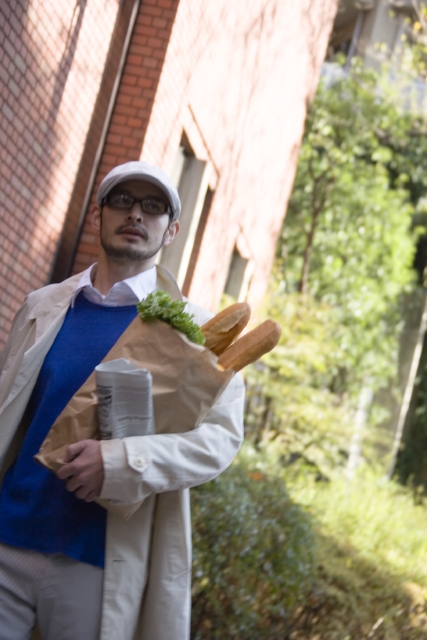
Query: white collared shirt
{"type": "Point", "coordinates": [126, 292]}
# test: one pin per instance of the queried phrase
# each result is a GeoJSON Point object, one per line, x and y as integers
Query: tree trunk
{"type": "Point", "coordinates": [317, 208]}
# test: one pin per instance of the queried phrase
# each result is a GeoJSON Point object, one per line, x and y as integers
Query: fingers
{"type": "Point", "coordinates": [74, 483]}
{"type": "Point", "coordinates": [85, 494]}
{"type": "Point", "coordinates": [83, 471]}
{"type": "Point", "coordinates": [65, 472]}
{"type": "Point", "coordinates": [74, 450]}
{"type": "Point", "coordinates": [83, 489]}
{"type": "Point", "coordinates": [72, 453]}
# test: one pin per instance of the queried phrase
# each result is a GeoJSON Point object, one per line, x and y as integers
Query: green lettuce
{"type": "Point", "coordinates": [160, 306]}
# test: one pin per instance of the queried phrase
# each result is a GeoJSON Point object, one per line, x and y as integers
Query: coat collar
{"type": "Point", "coordinates": [56, 298]}
{"type": "Point", "coordinates": [166, 282]}
{"type": "Point", "coordinates": [52, 304]}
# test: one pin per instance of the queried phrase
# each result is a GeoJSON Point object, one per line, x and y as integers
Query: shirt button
{"type": "Point", "coordinates": [138, 462]}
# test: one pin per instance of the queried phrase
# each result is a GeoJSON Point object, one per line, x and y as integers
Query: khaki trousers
{"type": "Point", "coordinates": [62, 596]}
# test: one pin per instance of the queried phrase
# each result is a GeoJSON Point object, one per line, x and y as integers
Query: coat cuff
{"type": "Point", "coordinates": [123, 467]}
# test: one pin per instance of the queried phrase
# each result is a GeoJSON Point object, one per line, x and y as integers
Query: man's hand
{"type": "Point", "coordinates": [83, 470]}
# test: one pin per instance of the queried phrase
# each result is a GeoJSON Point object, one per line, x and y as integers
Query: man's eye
{"type": "Point", "coordinates": [153, 206]}
{"type": "Point", "coordinates": [121, 200]}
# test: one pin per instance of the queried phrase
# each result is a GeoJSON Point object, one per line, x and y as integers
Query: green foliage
{"type": "Point", "coordinates": [412, 54]}
{"type": "Point", "coordinates": [370, 550]}
{"type": "Point", "coordinates": [160, 306]}
{"type": "Point", "coordinates": [277, 557]}
{"type": "Point", "coordinates": [350, 186]}
{"type": "Point", "coordinates": [344, 262]}
{"type": "Point", "coordinates": [374, 516]}
{"type": "Point", "coordinates": [252, 558]}
{"type": "Point", "coordinates": [345, 562]}
{"type": "Point", "coordinates": [304, 378]}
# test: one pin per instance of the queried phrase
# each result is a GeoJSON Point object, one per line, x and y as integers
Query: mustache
{"type": "Point", "coordinates": [133, 227]}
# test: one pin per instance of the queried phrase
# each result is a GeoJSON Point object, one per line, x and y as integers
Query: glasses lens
{"type": "Point", "coordinates": [120, 200]}
{"type": "Point", "coordinates": [125, 201]}
{"type": "Point", "coordinates": [153, 206]}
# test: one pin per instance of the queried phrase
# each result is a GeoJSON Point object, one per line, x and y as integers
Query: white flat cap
{"type": "Point", "coordinates": [138, 170]}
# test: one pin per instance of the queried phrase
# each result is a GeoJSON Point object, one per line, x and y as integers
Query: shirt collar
{"type": "Point", "coordinates": [126, 292]}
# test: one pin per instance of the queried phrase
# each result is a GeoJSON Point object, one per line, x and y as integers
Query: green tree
{"type": "Point", "coordinates": [344, 261]}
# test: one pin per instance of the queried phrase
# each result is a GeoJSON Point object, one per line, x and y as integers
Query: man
{"type": "Point", "coordinates": [66, 564]}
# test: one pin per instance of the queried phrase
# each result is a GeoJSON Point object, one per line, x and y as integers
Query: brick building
{"type": "Point", "coordinates": [214, 92]}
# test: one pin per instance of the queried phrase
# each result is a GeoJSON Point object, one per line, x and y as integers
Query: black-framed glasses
{"type": "Point", "coordinates": [125, 201]}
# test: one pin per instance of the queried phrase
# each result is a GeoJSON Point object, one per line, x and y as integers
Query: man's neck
{"type": "Point", "coordinates": [108, 273]}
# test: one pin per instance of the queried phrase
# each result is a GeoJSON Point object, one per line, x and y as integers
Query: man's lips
{"type": "Point", "coordinates": [133, 231]}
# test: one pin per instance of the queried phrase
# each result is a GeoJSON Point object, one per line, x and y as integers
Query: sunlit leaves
{"type": "Point", "coordinates": [347, 245]}
{"type": "Point", "coordinates": [363, 246]}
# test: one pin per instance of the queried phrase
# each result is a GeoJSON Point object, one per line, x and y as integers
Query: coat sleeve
{"type": "Point", "coordinates": [138, 466]}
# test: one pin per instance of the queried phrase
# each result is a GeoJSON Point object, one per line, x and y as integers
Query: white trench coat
{"type": "Point", "coordinates": [148, 557]}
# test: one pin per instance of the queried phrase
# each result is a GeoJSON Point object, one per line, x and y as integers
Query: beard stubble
{"type": "Point", "coordinates": [130, 254]}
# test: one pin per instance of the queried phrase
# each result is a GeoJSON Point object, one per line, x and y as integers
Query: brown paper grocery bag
{"type": "Point", "coordinates": [186, 383]}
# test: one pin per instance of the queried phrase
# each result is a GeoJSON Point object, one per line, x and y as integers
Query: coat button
{"type": "Point", "coordinates": [138, 462]}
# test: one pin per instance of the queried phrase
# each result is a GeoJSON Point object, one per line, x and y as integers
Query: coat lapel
{"type": "Point", "coordinates": [37, 335]}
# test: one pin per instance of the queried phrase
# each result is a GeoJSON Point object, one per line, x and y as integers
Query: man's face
{"type": "Point", "coordinates": [132, 235]}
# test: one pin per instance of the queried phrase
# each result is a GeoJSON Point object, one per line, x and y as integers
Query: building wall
{"type": "Point", "coordinates": [237, 79]}
{"type": "Point", "coordinates": [141, 73]}
{"type": "Point", "coordinates": [51, 62]}
{"type": "Point", "coordinates": [372, 30]}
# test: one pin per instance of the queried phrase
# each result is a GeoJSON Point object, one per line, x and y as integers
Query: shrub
{"type": "Point", "coordinates": [253, 556]}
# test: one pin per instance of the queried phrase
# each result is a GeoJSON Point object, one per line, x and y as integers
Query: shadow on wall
{"type": "Point", "coordinates": [45, 121]}
{"type": "Point", "coordinates": [29, 116]}
{"type": "Point", "coordinates": [66, 60]}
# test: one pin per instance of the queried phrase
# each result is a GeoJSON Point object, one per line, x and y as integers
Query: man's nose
{"type": "Point", "coordinates": [135, 213]}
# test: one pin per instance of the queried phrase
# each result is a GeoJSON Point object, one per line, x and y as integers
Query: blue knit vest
{"type": "Point", "coordinates": [36, 510]}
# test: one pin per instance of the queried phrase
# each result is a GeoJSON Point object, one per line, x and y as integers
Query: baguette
{"type": "Point", "coordinates": [251, 346]}
{"type": "Point", "coordinates": [223, 328]}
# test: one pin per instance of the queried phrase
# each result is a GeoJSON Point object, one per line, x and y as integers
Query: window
{"type": "Point", "coordinates": [239, 277]}
{"type": "Point", "coordinates": [191, 176]}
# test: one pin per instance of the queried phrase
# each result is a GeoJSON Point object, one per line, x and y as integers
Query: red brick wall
{"type": "Point", "coordinates": [134, 102]}
{"type": "Point", "coordinates": [52, 55]}
{"type": "Point", "coordinates": [237, 79]}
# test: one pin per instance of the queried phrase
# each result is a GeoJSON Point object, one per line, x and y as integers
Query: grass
{"type": "Point", "coordinates": [377, 518]}
{"type": "Point", "coordinates": [282, 557]}
{"type": "Point", "coordinates": [371, 561]}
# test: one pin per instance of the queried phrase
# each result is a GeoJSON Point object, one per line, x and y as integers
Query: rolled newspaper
{"type": "Point", "coordinates": [125, 406]}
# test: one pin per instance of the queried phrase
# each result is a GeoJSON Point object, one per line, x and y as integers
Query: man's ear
{"type": "Point", "coordinates": [95, 217]}
{"type": "Point", "coordinates": [171, 232]}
